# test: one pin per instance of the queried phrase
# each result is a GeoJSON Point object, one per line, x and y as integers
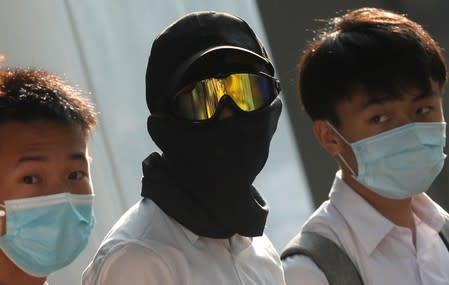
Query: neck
{"type": "Point", "coordinates": [399, 212]}
{"type": "Point", "coordinates": [12, 275]}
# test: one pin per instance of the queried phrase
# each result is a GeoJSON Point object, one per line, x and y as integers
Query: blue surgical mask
{"type": "Point", "coordinates": [401, 162]}
{"type": "Point", "coordinates": [46, 233]}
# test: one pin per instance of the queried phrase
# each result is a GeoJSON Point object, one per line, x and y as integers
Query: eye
{"type": "Point", "coordinates": [30, 179]}
{"type": "Point", "coordinates": [379, 119]}
{"type": "Point", "coordinates": [76, 175]}
{"type": "Point", "coordinates": [424, 110]}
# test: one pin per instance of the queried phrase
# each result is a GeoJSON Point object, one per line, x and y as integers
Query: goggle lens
{"type": "Point", "coordinates": [250, 92]}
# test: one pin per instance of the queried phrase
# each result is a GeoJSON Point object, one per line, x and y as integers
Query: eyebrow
{"type": "Point", "coordinates": [41, 158]}
{"type": "Point", "coordinates": [376, 101]}
{"type": "Point", "coordinates": [382, 99]}
{"type": "Point", "coordinates": [424, 95]}
{"type": "Point", "coordinates": [78, 156]}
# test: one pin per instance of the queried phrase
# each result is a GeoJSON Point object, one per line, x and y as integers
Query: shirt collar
{"type": "Point", "coordinates": [429, 212]}
{"type": "Point", "coordinates": [191, 236]}
{"type": "Point", "coordinates": [368, 223]}
{"type": "Point", "coordinates": [362, 218]}
{"type": "Point", "coordinates": [237, 243]}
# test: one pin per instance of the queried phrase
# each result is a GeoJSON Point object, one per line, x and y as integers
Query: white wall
{"type": "Point", "coordinates": [102, 46]}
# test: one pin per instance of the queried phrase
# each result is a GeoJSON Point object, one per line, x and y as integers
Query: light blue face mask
{"type": "Point", "coordinates": [401, 162]}
{"type": "Point", "coordinates": [46, 233]}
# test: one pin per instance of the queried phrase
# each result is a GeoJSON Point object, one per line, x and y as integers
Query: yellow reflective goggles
{"type": "Point", "coordinates": [200, 100]}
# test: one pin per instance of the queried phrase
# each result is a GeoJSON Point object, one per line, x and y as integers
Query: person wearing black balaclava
{"type": "Point", "coordinates": [214, 105]}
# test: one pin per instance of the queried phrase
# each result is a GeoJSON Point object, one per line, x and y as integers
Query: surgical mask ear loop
{"type": "Point", "coordinates": [2, 218]}
{"type": "Point", "coordinates": [339, 154]}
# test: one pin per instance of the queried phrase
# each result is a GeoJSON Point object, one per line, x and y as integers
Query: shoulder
{"type": "Point", "coordinates": [327, 222]}
{"type": "Point", "coordinates": [140, 246]}
{"type": "Point", "coordinates": [299, 269]}
{"type": "Point", "coordinates": [136, 220]}
{"type": "Point", "coordinates": [259, 260]}
{"type": "Point", "coordinates": [144, 222]}
{"type": "Point", "coordinates": [263, 245]}
{"type": "Point", "coordinates": [133, 263]}
{"type": "Point", "coordinates": [264, 249]}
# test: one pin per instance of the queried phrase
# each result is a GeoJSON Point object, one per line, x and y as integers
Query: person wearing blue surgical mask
{"type": "Point", "coordinates": [45, 188]}
{"type": "Point", "coordinates": [372, 84]}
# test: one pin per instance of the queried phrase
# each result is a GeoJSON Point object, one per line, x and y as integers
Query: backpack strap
{"type": "Point", "coordinates": [329, 257]}
{"type": "Point", "coordinates": [444, 233]}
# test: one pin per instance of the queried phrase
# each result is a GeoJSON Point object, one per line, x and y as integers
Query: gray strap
{"type": "Point", "coordinates": [329, 257]}
{"type": "Point", "coordinates": [444, 233]}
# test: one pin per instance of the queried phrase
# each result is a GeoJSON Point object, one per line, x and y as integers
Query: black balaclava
{"type": "Point", "coordinates": [204, 177]}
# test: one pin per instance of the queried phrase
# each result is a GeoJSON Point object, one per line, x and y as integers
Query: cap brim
{"type": "Point", "coordinates": [221, 59]}
{"type": "Point", "coordinates": [230, 50]}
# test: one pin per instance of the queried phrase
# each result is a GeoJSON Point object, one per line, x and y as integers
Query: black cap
{"type": "Point", "coordinates": [193, 39]}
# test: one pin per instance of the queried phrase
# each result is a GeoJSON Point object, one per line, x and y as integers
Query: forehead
{"type": "Point", "coordinates": [20, 138]}
{"type": "Point", "coordinates": [360, 99]}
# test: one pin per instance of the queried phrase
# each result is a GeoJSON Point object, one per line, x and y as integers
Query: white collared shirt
{"type": "Point", "coordinates": [383, 252]}
{"type": "Point", "coordinates": [147, 247]}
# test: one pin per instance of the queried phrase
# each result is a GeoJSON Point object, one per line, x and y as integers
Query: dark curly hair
{"type": "Point", "coordinates": [31, 94]}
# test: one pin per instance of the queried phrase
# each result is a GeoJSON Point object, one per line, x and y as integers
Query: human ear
{"type": "Point", "coordinates": [327, 137]}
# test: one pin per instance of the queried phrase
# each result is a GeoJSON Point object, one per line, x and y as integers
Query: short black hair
{"type": "Point", "coordinates": [379, 51]}
{"type": "Point", "coordinates": [30, 94]}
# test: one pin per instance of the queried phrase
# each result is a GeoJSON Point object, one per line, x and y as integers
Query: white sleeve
{"type": "Point", "coordinates": [300, 269]}
{"type": "Point", "coordinates": [132, 264]}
